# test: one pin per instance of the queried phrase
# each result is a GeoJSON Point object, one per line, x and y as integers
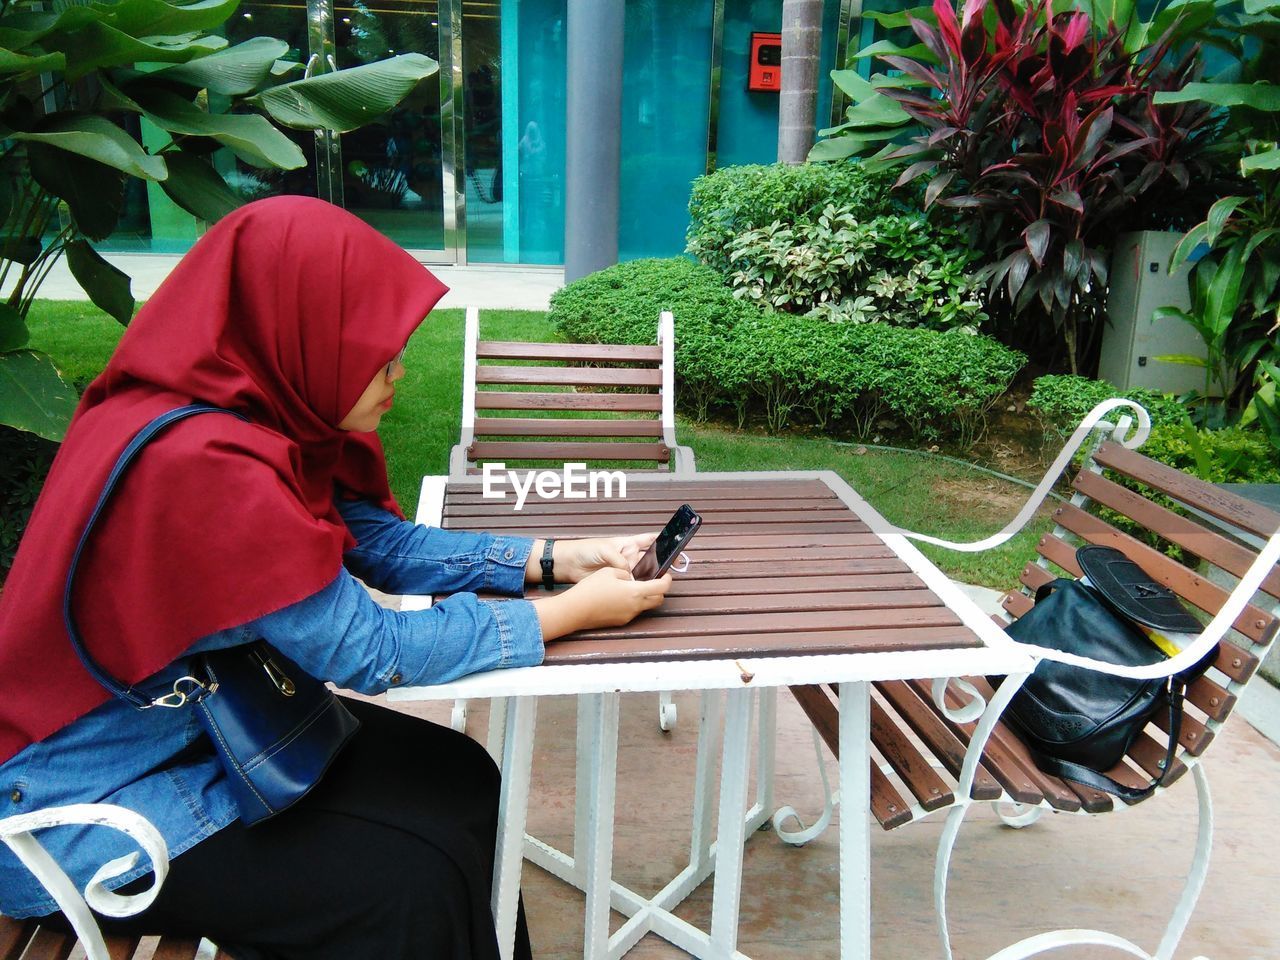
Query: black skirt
{"type": "Point", "coordinates": [389, 857]}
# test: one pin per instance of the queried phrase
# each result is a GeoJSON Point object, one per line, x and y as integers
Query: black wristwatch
{"type": "Point", "coordinates": [548, 566]}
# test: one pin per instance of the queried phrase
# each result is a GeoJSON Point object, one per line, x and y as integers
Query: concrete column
{"type": "Point", "coordinates": [593, 135]}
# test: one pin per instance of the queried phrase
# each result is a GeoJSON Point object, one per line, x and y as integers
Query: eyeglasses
{"type": "Point", "coordinates": [397, 362]}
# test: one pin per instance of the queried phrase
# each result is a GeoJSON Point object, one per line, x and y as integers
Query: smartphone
{"type": "Point", "coordinates": [679, 530]}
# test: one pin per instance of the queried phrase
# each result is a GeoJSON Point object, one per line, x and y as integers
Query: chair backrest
{"type": "Point", "coordinates": [529, 404]}
{"type": "Point", "coordinates": [1143, 508]}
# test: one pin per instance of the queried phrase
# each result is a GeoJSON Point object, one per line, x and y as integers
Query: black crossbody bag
{"type": "Point", "coordinates": [274, 727]}
{"type": "Point", "coordinates": [1078, 722]}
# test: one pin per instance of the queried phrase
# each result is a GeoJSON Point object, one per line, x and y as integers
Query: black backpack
{"type": "Point", "coordinates": [1078, 722]}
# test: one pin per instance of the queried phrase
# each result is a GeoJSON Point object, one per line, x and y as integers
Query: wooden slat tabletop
{"type": "Point", "coordinates": [780, 567]}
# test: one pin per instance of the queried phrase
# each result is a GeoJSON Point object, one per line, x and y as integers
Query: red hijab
{"type": "Point", "coordinates": [284, 311]}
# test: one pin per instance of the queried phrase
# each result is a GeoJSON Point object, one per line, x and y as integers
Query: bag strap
{"type": "Point", "coordinates": [140, 440]}
{"type": "Point", "coordinates": [1092, 778]}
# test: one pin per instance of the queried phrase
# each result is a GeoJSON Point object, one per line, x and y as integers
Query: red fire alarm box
{"type": "Point", "coordinates": [766, 62]}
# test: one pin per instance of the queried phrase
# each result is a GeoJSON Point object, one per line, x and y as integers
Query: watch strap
{"type": "Point", "coordinates": [548, 565]}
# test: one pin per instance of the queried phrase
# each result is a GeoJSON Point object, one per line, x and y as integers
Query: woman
{"type": "Point", "coordinates": [295, 314]}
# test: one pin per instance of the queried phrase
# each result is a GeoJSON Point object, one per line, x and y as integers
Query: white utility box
{"type": "Point", "coordinates": [1140, 282]}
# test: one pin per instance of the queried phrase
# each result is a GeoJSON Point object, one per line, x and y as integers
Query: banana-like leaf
{"type": "Point", "coordinates": [198, 188]}
{"type": "Point", "coordinates": [888, 48]}
{"type": "Point", "coordinates": [234, 71]}
{"type": "Point", "coordinates": [23, 28]}
{"type": "Point", "coordinates": [99, 45]}
{"type": "Point", "coordinates": [1261, 6]}
{"type": "Point", "coordinates": [92, 191]}
{"type": "Point", "coordinates": [853, 85]}
{"type": "Point", "coordinates": [22, 65]}
{"type": "Point", "coordinates": [347, 99]}
{"type": "Point", "coordinates": [891, 20]}
{"type": "Point", "coordinates": [13, 329]}
{"type": "Point", "coordinates": [1224, 292]}
{"type": "Point", "coordinates": [1259, 96]}
{"type": "Point", "coordinates": [33, 396]}
{"type": "Point", "coordinates": [106, 285]}
{"type": "Point", "coordinates": [1218, 215]}
{"type": "Point", "coordinates": [249, 135]}
{"type": "Point", "coordinates": [1268, 160]}
{"type": "Point", "coordinates": [98, 139]}
{"type": "Point", "coordinates": [837, 148]}
{"type": "Point", "coordinates": [155, 18]}
{"type": "Point", "coordinates": [1184, 359]}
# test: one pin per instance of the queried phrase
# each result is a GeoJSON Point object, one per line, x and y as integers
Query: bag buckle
{"type": "Point", "coordinates": [185, 690]}
{"type": "Point", "coordinates": [278, 677]}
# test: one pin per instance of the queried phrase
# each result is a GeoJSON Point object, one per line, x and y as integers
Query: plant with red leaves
{"type": "Point", "coordinates": [1041, 127]}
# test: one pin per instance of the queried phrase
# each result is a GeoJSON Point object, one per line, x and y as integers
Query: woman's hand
{"type": "Point", "coordinates": [575, 560]}
{"type": "Point", "coordinates": [606, 598]}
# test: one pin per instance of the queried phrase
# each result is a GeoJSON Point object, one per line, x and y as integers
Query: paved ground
{"type": "Point", "coordinates": [485, 286]}
{"type": "Point", "coordinates": [1120, 871]}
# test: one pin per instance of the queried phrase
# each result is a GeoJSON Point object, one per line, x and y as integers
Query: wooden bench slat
{"type": "Point", "coordinates": [122, 948]}
{"type": "Point", "coordinates": [1148, 753]}
{"type": "Point", "coordinates": [570, 376]}
{"type": "Point", "coordinates": [50, 945]}
{"type": "Point", "coordinates": [14, 936]}
{"type": "Point", "coordinates": [1189, 585]}
{"type": "Point", "coordinates": [887, 804]}
{"type": "Point", "coordinates": [1193, 736]}
{"type": "Point", "coordinates": [929, 789]}
{"type": "Point", "coordinates": [172, 948]}
{"type": "Point", "coordinates": [681, 605]}
{"type": "Point", "coordinates": [603, 352]}
{"type": "Point", "coordinates": [1213, 500]}
{"type": "Point", "coordinates": [566, 452]}
{"type": "Point", "coordinates": [542, 427]}
{"type": "Point", "coordinates": [532, 400]}
{"type": "Point", "coordinates": [1185, 532]}
{"type": "Point", "coordinates": [938, 738]}
{"type": "Point", "coordinates": [1236, 663]}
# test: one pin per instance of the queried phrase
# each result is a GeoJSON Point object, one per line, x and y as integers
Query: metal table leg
{"type": "Point", "coordinates": [598, 733]}
{"type": "Point", "coordinates": [855, 830]}
{"type": "Point", "coordinates": [517, 765]}
{"type": "Point", "coordinates": [734, 772]}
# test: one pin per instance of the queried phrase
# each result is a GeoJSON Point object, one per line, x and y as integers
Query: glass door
{"type": "Point", "coordinates": [396, 173]}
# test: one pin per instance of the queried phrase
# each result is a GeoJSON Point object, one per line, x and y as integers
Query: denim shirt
{"type": "Point", "coordinates": [139, 759]}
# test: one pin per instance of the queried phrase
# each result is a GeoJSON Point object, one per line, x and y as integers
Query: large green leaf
{"type": "Point", "coordinates": [1259, 96]}
{"type": "Point", "coordinates": [23, 28]}
{"type": "Point", "coordinates": [347, 99]}
{"type": "Point", "coordinates": [198, 188]}
{"type": "Point", "coordinates": [853, 85]}
{"type": "Point", "coordinates": [13, 329]}
{"type": "Point", "coordinates": [106, 285]}
{"type": "Point", "coordinates": [93, 191]}
{"type": "Point", "coordinates": [98, 45]}
{"type": "Point", "coordinates": [98, 139]}
{"type": "Point", "coordinates": [249, 135]}
{"type": "Point", "coordinates": [837, 148]}
{"type": "Point", "coordinates": [1261, 6]}
{"type": "Point", "coordinates": [1224, 292]}
{"type": "Point", "coordinates": [11, 62]}
{"type": "Point", "coordinates": [33, 397]}
{"type": "Point", "coordinates": [20, 249]}
{"type": "Point", "coordinates": [888, 48]}
{"type": "Point", "coordinates": [891, 20]}
{"type": "Point", "coordinates": [1268, 160]}
{"type": "Point", "coordinates": [155, 18]}
{"type": "Point", "coordinates": [234, 71]}
{"type": "Point", "coordinates": [1218, 216]}
{"type": "Point", "coordinates": [1190, 240]}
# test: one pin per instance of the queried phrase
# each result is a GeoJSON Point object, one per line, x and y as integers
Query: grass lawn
{"type": "Point", "coordinates": [916, 491]}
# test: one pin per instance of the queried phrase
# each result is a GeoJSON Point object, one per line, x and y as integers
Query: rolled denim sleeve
{"type": "Point", "coordinates": [340, 634]}
{"type": "Point", "coordinates": [399, 556]}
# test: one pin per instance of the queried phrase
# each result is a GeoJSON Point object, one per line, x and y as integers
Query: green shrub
{"type": "Point", "coordinates": [24, 462]}
{"type": "Point", "coordinates": [733, 200]}
{"type": "Point", "coordinates": [621, 304]}
{"type": "Point", "coordinates": [895, 269]}
{"type": "Point", "coordinates": [1062, 401]}
{"type": "Point", "coordinates": [1229, 455]}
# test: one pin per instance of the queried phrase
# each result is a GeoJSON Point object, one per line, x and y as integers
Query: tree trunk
{"type": "Point", "coordinates": [797, 104]}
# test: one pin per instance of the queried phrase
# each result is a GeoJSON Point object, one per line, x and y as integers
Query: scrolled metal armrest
{"type": "Point", "coordinates": [1091, 421]}
{"type": "Point", "coordinates": [16, 833]}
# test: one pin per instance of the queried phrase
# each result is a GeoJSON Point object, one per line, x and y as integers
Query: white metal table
{"type": "Point", "coordinates": [811, 524]}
